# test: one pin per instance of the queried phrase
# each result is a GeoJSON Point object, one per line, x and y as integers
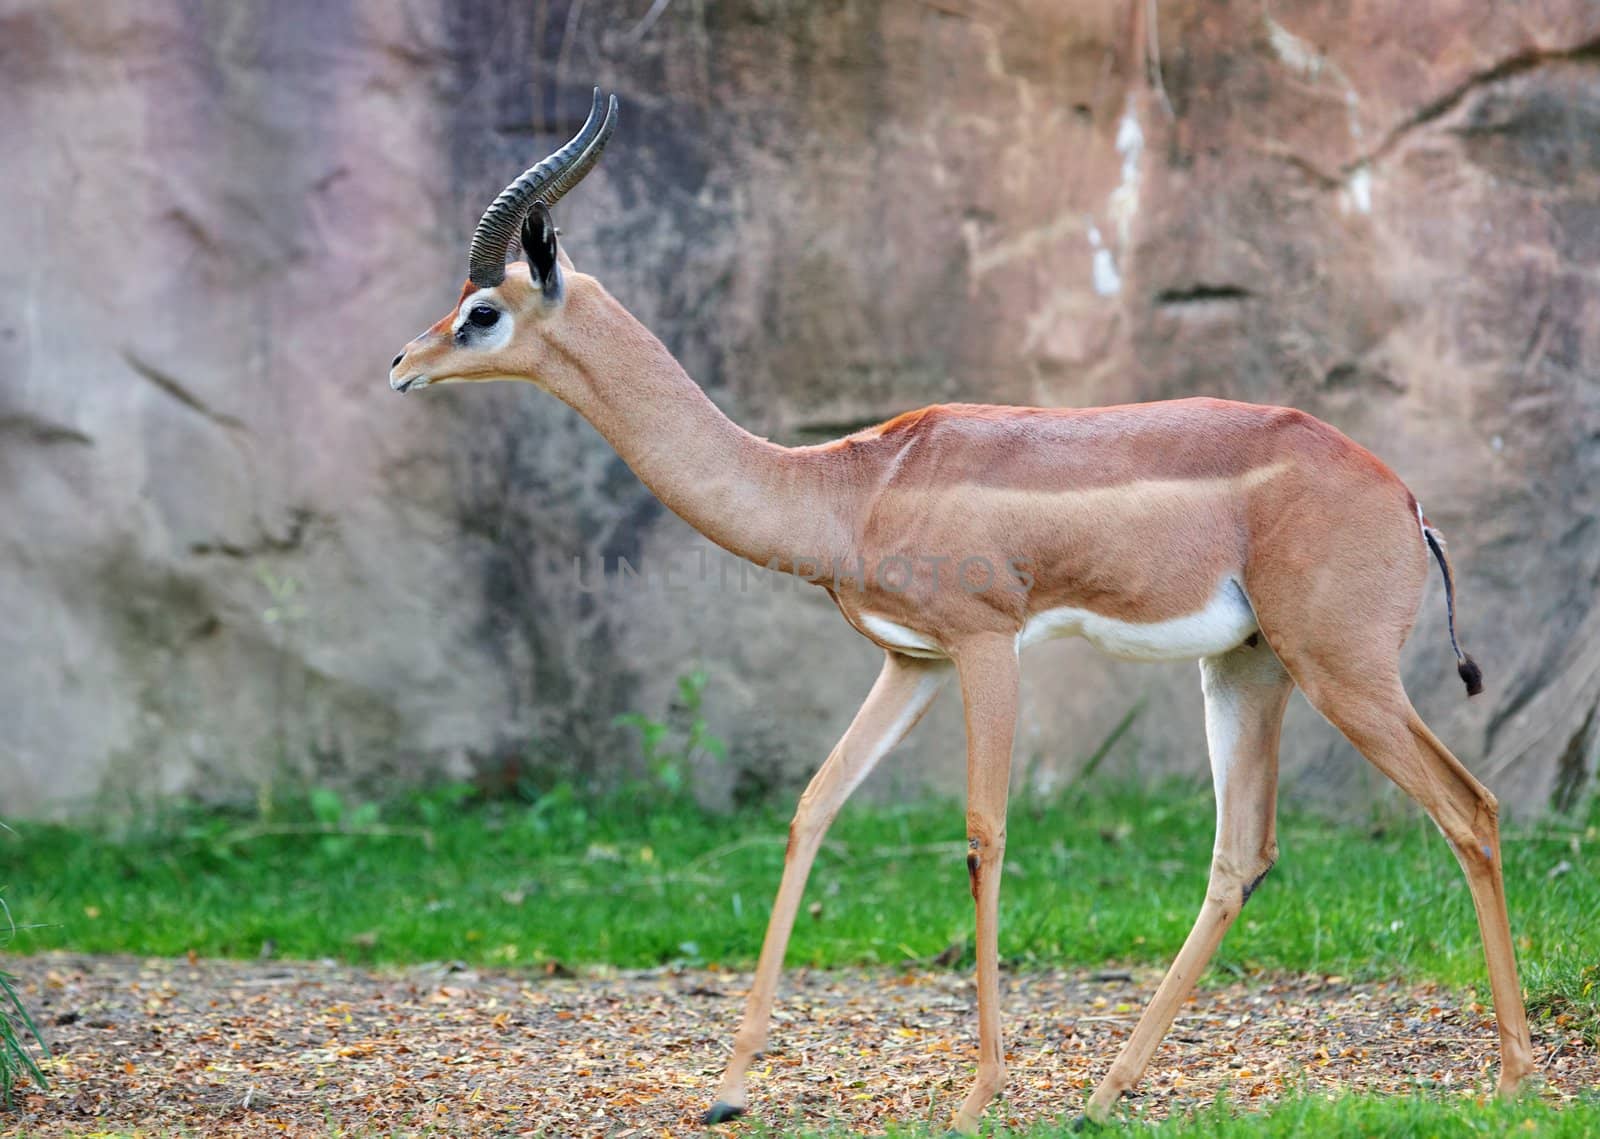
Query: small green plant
{"type": "Point", "coordinates": [16, 1055]}
{"type": "Point", "coordinates": [671, 747]}
{"type": "Point", "coordinates": [437, 806]}
{"type": "Point", "coordinates": [341, 819]}
{"type": "Point", "coordinates": [1572, 1003]}
{"type": "Point", "coordinates": [283, 615]}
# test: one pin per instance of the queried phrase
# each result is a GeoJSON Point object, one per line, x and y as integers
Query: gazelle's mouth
{"type": "Point", "coordinates": [408, 383]}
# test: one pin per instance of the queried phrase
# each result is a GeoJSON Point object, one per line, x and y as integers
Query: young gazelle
{"type": "Point", "coordinates": [1258, 540]}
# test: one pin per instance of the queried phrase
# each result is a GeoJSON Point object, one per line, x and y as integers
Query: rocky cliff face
{"type": "Point", "coordinates": [231, 555]}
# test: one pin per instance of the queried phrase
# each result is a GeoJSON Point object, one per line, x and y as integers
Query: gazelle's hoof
{"type": "Point", "coordinates": [1528, 1085]}
{"type": "Point", "coordinates": [1087, 1122]}
{"type": "Point", "coordinates": [720, 1112]}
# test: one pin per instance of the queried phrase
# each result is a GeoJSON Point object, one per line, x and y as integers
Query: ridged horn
{"type": "Point", "coordinates": [572, 175]}
{"type": "Point", "coordinates": [544, 182]}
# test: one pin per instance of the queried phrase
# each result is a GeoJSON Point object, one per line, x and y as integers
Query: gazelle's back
{"type": "Point", "coordinates": [1140, 513]}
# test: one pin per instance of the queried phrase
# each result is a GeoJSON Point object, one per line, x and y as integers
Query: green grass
{"type": "Point", "coordinates": [1112, 876]}
{"type": "Point", "coordinates": [1391, 1117]}
{"type": "Point", "coordinates": [1355, 1117]}
{"type": "Point", "coordinates": [1418, 1116]}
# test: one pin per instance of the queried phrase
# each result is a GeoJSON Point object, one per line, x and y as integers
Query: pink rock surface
{"type": "Point", "coordinates": [232, 558]}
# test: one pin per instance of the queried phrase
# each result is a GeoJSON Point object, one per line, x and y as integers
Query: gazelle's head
{"type": "Point", "coordinates": [497, 328]}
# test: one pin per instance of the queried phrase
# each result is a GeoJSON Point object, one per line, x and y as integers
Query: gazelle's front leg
{"type": "Point", "coordinates": [1246, 691]}
{"type": "Point", "coordinates": [898, 699]}
{"type": "Point", "coordinates": [988, 668]}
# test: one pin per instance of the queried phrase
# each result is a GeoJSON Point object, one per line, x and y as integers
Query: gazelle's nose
{"type": "Point", "coordinates": [395, 363]}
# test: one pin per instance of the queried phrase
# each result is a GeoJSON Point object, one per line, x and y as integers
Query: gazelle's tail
{"type": "Point", "coordinates": [1465, 665]}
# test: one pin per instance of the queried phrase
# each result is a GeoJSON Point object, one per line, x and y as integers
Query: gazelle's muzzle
{"type": "Point", "coordinates": [406, 376]}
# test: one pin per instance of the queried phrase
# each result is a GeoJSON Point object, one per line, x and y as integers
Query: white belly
{"type": "Point", "coordinates": [899, 638]}
{"type": "Point", "coordinates": [1224, 623]}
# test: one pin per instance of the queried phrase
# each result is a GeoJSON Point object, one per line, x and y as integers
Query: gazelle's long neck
{"type": "Point", "coordinates": [750, 496]}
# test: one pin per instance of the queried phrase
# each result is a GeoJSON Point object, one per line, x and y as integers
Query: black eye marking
{"type": "Point", "coordinates": [483, 316]}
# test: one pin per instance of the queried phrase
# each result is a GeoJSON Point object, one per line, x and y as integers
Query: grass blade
{"type": "Point", "coordinates": [15, 1055]}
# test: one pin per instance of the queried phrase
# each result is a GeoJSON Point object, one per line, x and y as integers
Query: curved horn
{"type": "Point", "coordinates": [546, 181]}
{"type": "Point", "coordinates": [574, 174]}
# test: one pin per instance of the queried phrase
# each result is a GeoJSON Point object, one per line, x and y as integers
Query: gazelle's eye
{"type": "Point", "coordinates": [483, 316]}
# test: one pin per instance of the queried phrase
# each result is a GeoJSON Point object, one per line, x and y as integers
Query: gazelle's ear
{"type": "Point", "coordinates": [539, 246]}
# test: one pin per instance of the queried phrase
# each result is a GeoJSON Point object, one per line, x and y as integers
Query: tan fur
{"type": "Point", "coordinates": [1134, 513]}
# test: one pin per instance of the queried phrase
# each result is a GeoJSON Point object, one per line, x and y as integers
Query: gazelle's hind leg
{"type": "Point", "coordinates": [1246, 691]}
{"type": "Point", "coordinates": [1364, 699]}
{"type": "Point", "coordinates": [1337, 611]}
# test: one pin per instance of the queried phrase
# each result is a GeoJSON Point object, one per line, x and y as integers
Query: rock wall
{"type": "Point", "coordinates": [231, 559]}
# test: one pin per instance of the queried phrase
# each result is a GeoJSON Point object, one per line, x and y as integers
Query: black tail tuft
{"type": "Point", "coordinates": [1465, 665]}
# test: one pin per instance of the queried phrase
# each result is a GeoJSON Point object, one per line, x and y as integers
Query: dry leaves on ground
{"type": "Point", "coordinates": [272, 1048]}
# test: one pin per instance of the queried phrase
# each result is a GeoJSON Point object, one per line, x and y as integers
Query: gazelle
{"type": "Point", "coordinates": [1258, 540]}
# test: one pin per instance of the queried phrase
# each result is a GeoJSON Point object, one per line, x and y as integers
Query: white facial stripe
{"type": "Point", "coordinates": [490, 339]}
{"type": "Point", "coordinates": [482, 295]}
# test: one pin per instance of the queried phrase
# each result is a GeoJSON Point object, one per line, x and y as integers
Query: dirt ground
{"type": "Point", "coordinates": [203, 1047]}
